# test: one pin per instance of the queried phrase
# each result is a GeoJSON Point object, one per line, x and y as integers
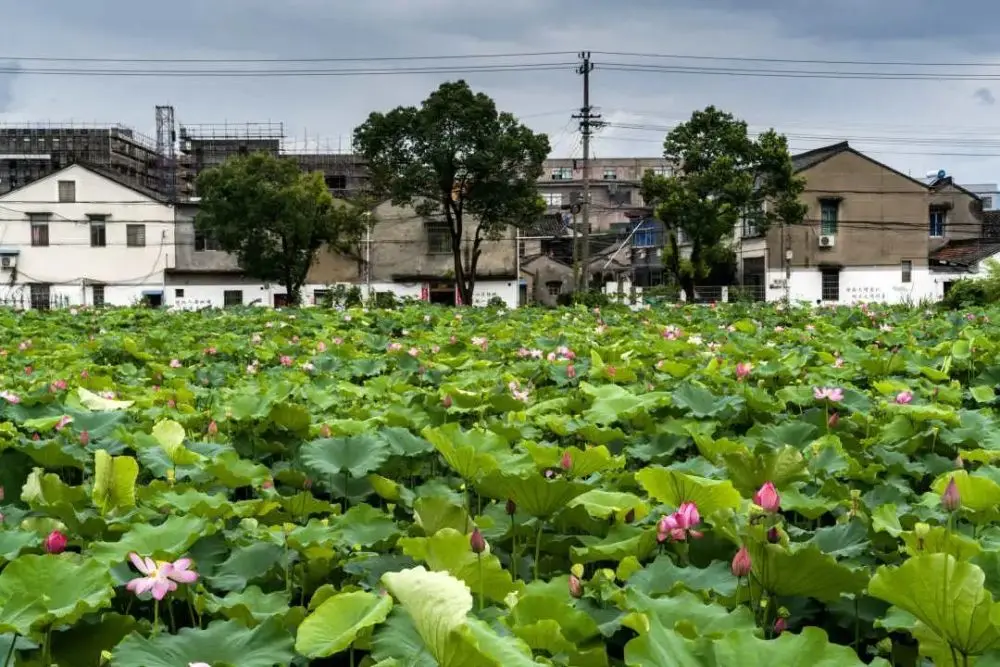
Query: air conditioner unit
{"type": "Point", "coordinates": [827, 241]}
{"type": "Point", "coordinates": [8, 262]}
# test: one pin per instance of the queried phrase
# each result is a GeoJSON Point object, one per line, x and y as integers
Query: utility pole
{"type": "Point", "coordinates": [587, 125]}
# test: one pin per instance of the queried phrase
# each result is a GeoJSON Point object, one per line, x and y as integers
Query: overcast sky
{"type": "Point", "coordinates": [913, 125]}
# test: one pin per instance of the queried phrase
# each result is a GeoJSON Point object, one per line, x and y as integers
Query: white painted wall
{"type": "Point", "coordinates": [69, 263]}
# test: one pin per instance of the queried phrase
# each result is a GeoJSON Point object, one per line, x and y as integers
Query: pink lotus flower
{"type": "Point", "coordinates": [741, 564]}
{"type": "Point", "coordinates": [517, 392]}
{"type": "Point", "coordinates": [571, 371]}
{"type": "Point", "coordinates": [413, 352]}
{"type": "Point", "coordinates": [55, 543]}
{"type": "Point", "coordinates": [321, 346]}
{"type": "Point", "coordinates": [575, 587]}
{"type": "Point", "coordinates": [286, 360]}
{"type": "Point", "coordinates": [338, 341]}
{"type": "Point", "coordinates": [566, 462]}
{"type": "Point", "coordinates": [951, 499]}
{"type": "Point", "coordinates": [767, 498]}
{"type": "Point", "coordinates": [160, 577]}
{"type": "Point", "coordinates": [680, 524]}
{"type": "Point", "coordinates": [175, 363]}
{"type": "Point", "coordinates": [28, 370]}
{"type": "Point", "coordinates": [743, 370]}
{"type": "Point", "coordinates": [84, 374]}
{"type": "Point", "coordinates": [58, 385]}
{"type": "Point", "coordinates": [838, 362]}
{"type": "Point", "coordinates": [85, 437]}
{"type": "Point", "coordinates": [904, 397]}
{"type": "Point", "coordinates": [480, 342]}
{"type": "Point", "coordinates": [324, 431]}
{"type": "Point", "coordinates": [832, 394]}
{"type": "Point", "coordinates": [255, 339]}
{"type": "Point", "coordinates": [213, 428]}
{"type": "Point", "coordinates": [210, 351]}
{"type": "Point", "coordinates": [63, 421]}
{"type": "Point", "coordinates": [393, 347]}
{"type": "Point", "coordinates": [446, 401]}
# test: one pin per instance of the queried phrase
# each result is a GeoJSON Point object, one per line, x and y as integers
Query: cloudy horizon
{"type": "Point", "coordinates": [944, 120]}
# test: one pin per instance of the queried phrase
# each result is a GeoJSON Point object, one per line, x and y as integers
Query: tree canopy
{"type": "Point", "coordinates": [458, 159]}
{"type": "Point", "coordinates": [273, 217]}
{"type": "Point", "coordinates": [722, 176]}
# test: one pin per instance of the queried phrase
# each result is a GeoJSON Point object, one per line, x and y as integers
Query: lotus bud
{"type": "Point", "coordinates": [575, 587]}
{"type": "Point", "coordinates": [85, 437]}
{"type": "Point", "coordinates": [477, 542]}
{"type": "Point", "coordinates": [780, 626]}
{"type": "Point", "coordinates": [951, 500]}
{"type": "Point", "coordinates": [767, 498]}
{"type": "Point", "coordinates": [773, 536]}
{"type": "Point", "coordinates": [446, 401]}
{"type": "Point", "coordinates": [213, 428]}
{"type": "Point", "coordinates": [55, 543]}
{"type": "Point", "coordinates": [833, 420]}
{"type": "Point", "coordinates": [741, 564]}
{"type": "Point", "coordinates": [324, 431]}
{"type": "Point", "coordinates": [630, 516]}
{"type": "Point", "coordinates": [510, 507]}
{"type": "Point", "coordinates": [566, 462]}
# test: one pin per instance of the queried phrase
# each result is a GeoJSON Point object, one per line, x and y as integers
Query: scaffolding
{"type": "Point", "coordinates": [343, 171]}
{"type": "Point", "coordinates": [29, 152]}
{"type": "Point", "coordinates": [166, 148]}
{"type": "Point", "coordinates": [208, 145]}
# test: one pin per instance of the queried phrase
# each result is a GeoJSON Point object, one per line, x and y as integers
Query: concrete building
{"type": "Point", "coordinates": [614, 187]}
{"type": "Point", "coordinates": [78, 236]}
{"type": "Point", "coordinates": [871, 233]}
{"type": "Point", "coordinates": [32, 152]}
{"type": "Point", "coordinates": [411, 256]}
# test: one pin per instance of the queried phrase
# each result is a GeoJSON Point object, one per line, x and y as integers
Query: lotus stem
{"type": "Point", "coordinates": [538, 546]}
{"type": "Point", "coordinates": [479, 557]}
{"type": "Point", "coordinates": [513, 547]}
{"type": "Point", "coordinates": [156, 617]}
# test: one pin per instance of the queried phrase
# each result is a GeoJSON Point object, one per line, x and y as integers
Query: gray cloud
{"type": "Point", "coordinates": [985, 96]}
{"type": "Point", "coordinates": [8, 75]}
{"type": "Point", "coordinates": [811, 111]}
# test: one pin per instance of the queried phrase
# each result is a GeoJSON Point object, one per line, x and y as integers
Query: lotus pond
{"type": "Point", "coordinates": [675, 487]}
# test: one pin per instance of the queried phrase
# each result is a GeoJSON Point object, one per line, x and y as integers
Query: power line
{"type": "Point", "coordinates": [329, 72]}
{"type": "Point", "coordinates": [465, 56]}
{"type": "Point", "coordinates": [794, 61]}
{"type": "Point", "coordinates": [795, 74]}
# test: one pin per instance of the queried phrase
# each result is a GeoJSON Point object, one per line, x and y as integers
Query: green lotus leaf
{"type": "Point", "coordinates": [622, 540]}
{"type": "Point", "coordinates": [62, 590]}
{"type": "Point", "coordinates": [246, 564]}
{"type": "Point", "coordinates": [806, 571]}
{"type": "Point", "coordinates": [397, 642]}
{"type": "Point", "coordinates": [978, 494]}
{"type": "Point", "coordinates": [844, 540]}
{"type": "Point", "coordinates": [234, 472]}
{"type": "Point", "coordinates": [471, 454]}
{"type": "Point", "coordinates": [448, 550]}
{"type": "Point", "coordinates": [662, 647]}
{"type": "Point", "coordinates": [664, 577]}
{"type": "Point", "coordinates": [53, 453]}
{"type": "Point", "coordinates": [612, 403]}
{"type": "Point", "coordinates": [946, 596]}
{"type": "Point", "coordinates": [404, 443]}
{"type": "Point", "coordinates": [169, 435]}
{"type": "Point", "coordinates": [364, 526]}
{"type": "Point", "coordinates": [438, 605]}
{"type": "Point", "coordinates": [432, 513]}
{"type": "Point", "coordinates": [938, 539]}
{"type": "Point", "coordinates": [550, 600]}
{"type": "Point", "coordinates": [534, 494]}
{"type": "Point", "coordinates": [165, 541]}
{"type": "Point", "coordinates": [191, 501]}
{"type": "Point", "coordinates": [92, 401]}
{"type": "Point", "coordinates": [251, 606]}
{"type": "Point", "coordinates": [675, 488]}
{"type": "Point", "coordinates": [222, 642]}
{"type": "Point", "coordinates": [748, 472]}
{"type": "Point", "coordinates": [585, 462]}
{"type": "Point", "coordinates": [602, 504]}
{"type": "Point", "coordinates": [114, 481]}
{"type": "Point", "coordinates": [354, 455]}
{"type": "Point", "coordinates": [689, 616]}
{"type": "Point", "coordinates": [336, 623]}
{"type": "Point", "coordinates": [13, 542]}
{"type": "Point", "coordinates": [84, 643]}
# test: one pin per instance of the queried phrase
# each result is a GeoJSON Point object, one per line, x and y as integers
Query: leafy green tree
{"type": "Point", "coordinates": [459, 159]}
{"type": "Point", "coordinates": [722, 176]}
{"type": "Point", "coordinates": [273, 217]}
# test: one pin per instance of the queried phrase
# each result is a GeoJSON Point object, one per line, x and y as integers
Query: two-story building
{"type": "Point", "coordinates": [83, 237]}
{"type": "Point", "coordinates": [871, 233]}
{"type": "Point", "coordinates": [410, 255]}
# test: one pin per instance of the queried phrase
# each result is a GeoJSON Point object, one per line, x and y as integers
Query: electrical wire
{"type": "Point", "coordinates": [466, 56]}
{"type": "Point", "coordinates": [795, 61]}
{"type": "Point", "coordinates": [194, 73]}
{"type": "Point", "coordinates": [795, 74]}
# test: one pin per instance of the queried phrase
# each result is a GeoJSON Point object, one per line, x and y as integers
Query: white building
{"type": "Point", "coordinates": [79, 237]}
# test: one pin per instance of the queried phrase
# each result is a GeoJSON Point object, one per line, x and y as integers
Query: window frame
{"type": "Point", "coordinates": [829, 226]}
{"type": "Point", "coordinates": [133, 241]}
{"type": "Point", "coordinates": [906, 271]}
{"type": "Point", "coordinates": [40, 237]}
{"type": "Point", "coordinates": [95, 290]}
{"type": "Point", "coordinates": [941, 214]}
{"type": "Point", "coordinates": [825, 289]}
{"type": "Point", "coordinates": [228, 295]}
{"type": "Point", "coordinates": [438, 237]}
{"type": "Point", "coordinates": [66, 192]}
{"type": "Point", "coordinates": [98, 223]}
{"type": "Point", "coordinates": [37, 300]}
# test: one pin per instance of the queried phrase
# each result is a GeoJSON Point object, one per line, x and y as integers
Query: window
{"type": "Point", "coordinates": [610, 174]}
{"type": "Point", "coordinates": [831, 285]}
{"type": "Point", "coordinates": [232, 297]}
{"type": "Point", "coordinates": [39, 231]}
{"type": "Point", "coordinates": [937, 220]}
{"type": "Point", "coordinates": [203, 242]}
{"type": "Point", "coordinates": [562, 174]}
{"type": "Point", "coordinates": [135, 236]}
{"type": "Point", "coordinates": [67, 191]}
{"type": "Point", "coordinates": [322, 297]}
{"type": "Point", "coordinates": [828, 214]}
{"type": "Point", "coordinates": [666, 172]}
{"type": "Point", "coordinates": [553, 199]}
{"type": "Point", "coordinates": [554, 287]}
{"type": "Point", "coordinates": [750, 229]}
{"type": "Point", "coordinates": [40, 296]}
{"type": "Point", "coordinates": [179, 293]}
{"type": "Point", "coordinates": [987, 203]}
{"type": "Point", "coordinates": [336, 181]}
{"type": "Point", "coordinates": [646, 235]}
{"type": "Point", "coordinates": [438, 238]}
{"type": "Point", "coordinates": [98, 231]}
{"type": "Point", "coordinates": [907, 269]}
{"type": "Point", "coordinates": [98, 295]}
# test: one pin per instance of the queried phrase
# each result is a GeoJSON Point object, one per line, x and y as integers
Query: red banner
{"type": "Point", "coordinates": [425, 292]}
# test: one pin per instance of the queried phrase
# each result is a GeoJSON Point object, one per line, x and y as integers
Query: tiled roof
{"type": "Point", "coordinates": [991, 225]}
{"type": "Point", "coordinates": [966, 252]}
{"type": "Point", "coordinates": [548, 225]}
{"type": "Point", "coordinates": [816, 155]}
